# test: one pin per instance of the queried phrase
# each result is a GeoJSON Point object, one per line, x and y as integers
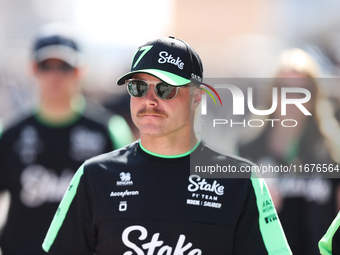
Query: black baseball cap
{"type": "Point", "coordinates": [57, 40]}
{"type": "Point", "coordinates": [170, 60]}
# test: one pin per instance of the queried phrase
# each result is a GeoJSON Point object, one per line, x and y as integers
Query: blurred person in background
{"type": "Point", "coordinates": [306, 204]}
{"type": "Point", "coordinates": [40, 151]}
{"type": "Point", "coordinates": [121, 105]}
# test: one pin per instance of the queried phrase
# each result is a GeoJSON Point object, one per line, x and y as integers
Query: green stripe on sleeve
{"type": "Point", "coordinates": [270, 226]}
{"type": "Point", "coordinates": [62, 210]}
{"type": "Point", "coordinates": [120, 132]}
{"type": "Point", "coordinates": [325, 244]}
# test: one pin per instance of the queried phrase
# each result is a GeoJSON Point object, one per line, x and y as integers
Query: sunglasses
{"type": "Point", "coordinates": [62, 67]}
{"type": "Point", "coordinates": [139, 89]}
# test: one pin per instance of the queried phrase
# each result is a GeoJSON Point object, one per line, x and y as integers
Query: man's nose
{"type": "Point", "coordinates": [151, 98]}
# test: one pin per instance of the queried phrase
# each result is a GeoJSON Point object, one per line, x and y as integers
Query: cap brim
{"type": "Point", "coordinates": [167, 77]}
{"type": "Point", "coordinates": [64, 53]}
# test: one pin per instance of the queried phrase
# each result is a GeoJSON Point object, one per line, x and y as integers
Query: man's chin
{"type": "Point", "coordinates": [151, 130]}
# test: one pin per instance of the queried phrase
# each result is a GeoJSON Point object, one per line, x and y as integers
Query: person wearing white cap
{"type": "Point", "coordinates": [40, 151]}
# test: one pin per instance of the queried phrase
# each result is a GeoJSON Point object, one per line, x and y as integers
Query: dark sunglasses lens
{"type": "Point", "coordinates": [137, 88]}
{"type": "Point", "coordinates": [166, 91]}
{"type": "Point", "coordinates": [43, 67]}
{"type": "Point", "coordinates": [64, 67]}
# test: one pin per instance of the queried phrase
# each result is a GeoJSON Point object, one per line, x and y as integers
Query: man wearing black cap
{"type": "Point", "coordinates": [142, 199]}
{"type": "Point", "coordinates": [41, 151]}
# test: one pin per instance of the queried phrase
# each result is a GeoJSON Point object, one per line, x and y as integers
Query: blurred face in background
{"type": "Point", "coordinates": [56, 80]}
{"type": "Point", "coordinates": [292, 78]}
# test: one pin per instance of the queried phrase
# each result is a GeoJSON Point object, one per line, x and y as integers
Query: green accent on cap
{"type": "Point", "coordinates": [145, 49]}
{"type": "Point", "coordinates": [61, 212]}
{"type": "Point", "coordinates": [325, 244]}
{"type": "Point", "coordinates": [167, 77]}
{"type": "Point", "coordinates": [120, 132]}
{"type": "Point", "coordinates": [169, 156]}
{"type": "Point", "coordinates": [272, 233]}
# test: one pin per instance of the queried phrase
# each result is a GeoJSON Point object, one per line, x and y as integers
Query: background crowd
{"type": "Point", "coordinates": [275, 40]}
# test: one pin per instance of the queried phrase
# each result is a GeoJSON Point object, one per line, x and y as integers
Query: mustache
{"type": "Point", "coordinates": [151, 111]}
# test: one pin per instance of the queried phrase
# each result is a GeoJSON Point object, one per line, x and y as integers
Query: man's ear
{"type": "Point", "coordinates": [196, 98]}
{"type": "Point", "coordinates": [32, 68]}
{"type": "Point", "coordinates": [81, 71]}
